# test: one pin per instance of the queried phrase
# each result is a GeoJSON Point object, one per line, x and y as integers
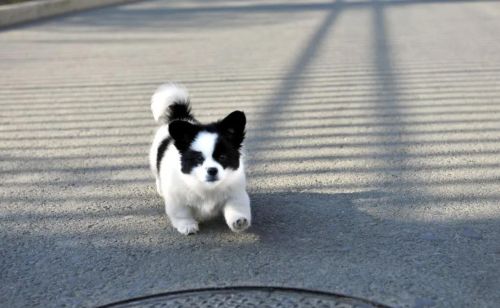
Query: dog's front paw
{"type": "Point", "coordinates": [240, 224]}
{"type": "Point", "coordinates": [186, 227]}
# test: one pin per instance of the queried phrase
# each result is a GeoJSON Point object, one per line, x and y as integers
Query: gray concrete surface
{"type": "Point", "coordinates": [373, 150]}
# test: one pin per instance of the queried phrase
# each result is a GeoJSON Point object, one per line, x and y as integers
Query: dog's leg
{"type": "Point", "coordinates": [181, 217]}
{"type": "Point", "coordinates": [237, 212]}
{"type": "Point", "coordinates": [158, 186]}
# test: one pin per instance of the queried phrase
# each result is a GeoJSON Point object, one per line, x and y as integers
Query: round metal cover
{"type": "Point", "coordinates": [246, 297]}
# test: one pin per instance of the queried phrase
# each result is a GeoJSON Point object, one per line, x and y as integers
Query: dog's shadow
{"type": "Point", "coordinates": [289, 217]}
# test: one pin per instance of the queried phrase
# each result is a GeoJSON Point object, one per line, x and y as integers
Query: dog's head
{"type": "Point", "coordinates": [210, 154]}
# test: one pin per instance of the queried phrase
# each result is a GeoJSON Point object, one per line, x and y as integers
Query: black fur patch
{"type": "Point", "coordinates": [226, 154]}
{"type": "Point", "coordinates": [190, 159]}
{"type": "Point", "coordinates": [232, 128]}
{"type": "Point", "coordinates": [161, 151]}
{"type": "Point", "coordinates": [183, 133]}
{"type": "Point", "coordinates": [180, 111]}
{"type": "Point", "coordinates": [231, 131]}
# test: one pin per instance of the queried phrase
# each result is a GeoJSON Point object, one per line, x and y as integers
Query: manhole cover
{"type": "Point", "coordinates": [246, 297]}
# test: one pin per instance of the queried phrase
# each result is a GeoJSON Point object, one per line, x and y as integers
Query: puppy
{"type": "Point", "coordinates": [198, 167]}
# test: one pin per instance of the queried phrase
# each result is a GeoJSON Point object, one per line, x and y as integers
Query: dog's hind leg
{"type": "Point", "coordinates": [158, 186]}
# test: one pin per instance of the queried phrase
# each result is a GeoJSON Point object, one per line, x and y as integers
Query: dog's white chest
{"type": "Point", "coordinates": [206, 209]}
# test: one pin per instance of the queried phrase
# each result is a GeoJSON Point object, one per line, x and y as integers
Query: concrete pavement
{"type": "Point", "coordinates": [373, 150]}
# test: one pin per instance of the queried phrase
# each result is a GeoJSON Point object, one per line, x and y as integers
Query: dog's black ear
{"type": "Point", "coordinates": [183, 133]}
{"type": "Point", "coordinates": [233, 127]}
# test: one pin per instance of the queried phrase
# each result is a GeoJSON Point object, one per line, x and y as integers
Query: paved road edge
{"type": "Point", "coordinates": [13, 14]}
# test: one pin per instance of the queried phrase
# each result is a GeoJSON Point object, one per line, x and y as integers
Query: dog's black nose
{"type": "Point", "coordinates": [212, 171]}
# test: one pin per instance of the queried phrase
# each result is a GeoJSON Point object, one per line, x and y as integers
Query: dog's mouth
{"type": "Point", "coordinates": [212, 178]}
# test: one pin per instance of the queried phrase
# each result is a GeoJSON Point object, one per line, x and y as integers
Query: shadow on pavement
{"type": "Point", "coordinates": [313, 240]}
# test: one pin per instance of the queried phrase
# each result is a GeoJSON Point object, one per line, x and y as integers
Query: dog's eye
{"type": "Point", "coordinates": [195, 157]}
{"type": "Point", "coordinates": [222, 157]}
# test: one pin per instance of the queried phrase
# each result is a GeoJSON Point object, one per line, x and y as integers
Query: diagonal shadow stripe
{"type": "Point", "coordinates": [291, 80]}
{"type": "Point", "coordinates": [387, 97]}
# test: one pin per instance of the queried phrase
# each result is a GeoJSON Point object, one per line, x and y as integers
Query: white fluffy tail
{"type": "Point", "coordinates": [170, 102]}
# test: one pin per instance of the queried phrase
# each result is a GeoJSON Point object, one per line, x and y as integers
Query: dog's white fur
{"type": "Point", "coordinates": [165, 95]}
{"type": "Point", "coordinates": [189, 198]}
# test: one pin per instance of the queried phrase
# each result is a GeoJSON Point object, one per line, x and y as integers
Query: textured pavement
{"type": "Point", "coordinates": [373, 150]}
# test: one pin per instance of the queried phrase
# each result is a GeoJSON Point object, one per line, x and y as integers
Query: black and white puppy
{"type": "Point", "coordinates": [198, 167]}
